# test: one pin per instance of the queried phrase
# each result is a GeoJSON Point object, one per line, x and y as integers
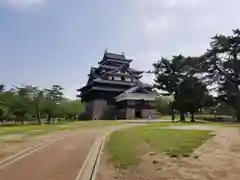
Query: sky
{"type": "Point", "coordinates": [46, 42]}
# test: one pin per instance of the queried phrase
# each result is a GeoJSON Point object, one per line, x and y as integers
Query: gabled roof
{"type": "Point", "coordinates": [119, 90]}
{"type": "Point", "coordinates": [136, 71]}
{"type": "Point", "coordinates": [99, 80]}
{"type": "Point", "coordinates": [114, 56]}
{"type": "Point", "coordinates": [114, 67]}
{"type": "Point", "coordinates": [124, 74]}
{"type": "Point", "coordinates": [135, 88]}
{"type": "Point", "coordinates": [106, 66]}
{"type": "Point", "coordinates": [105, 81]}
{"type": "Point", "coordinates": [120, 68]}
{"type": "Point", "coordinates": [92, 75]}
{"type": "Point", "coordinates": [132, 94]}
{"type": "Point", "coordinates": [92, 71]}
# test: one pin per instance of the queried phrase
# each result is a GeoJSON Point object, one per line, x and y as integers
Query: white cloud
{"type": "Point", "coordinates": [155, 4]}
{"type": "Point", "coordinates": [171, 3]}
{"type": "Point", "coordinates": [169, 27]}
{"type": "Point", "coordinates": [192, 3]}
{"type": "Point", "coordinates": [144, 61]}
{"type": "Point", "coordinates": [206, 21]}
{"type": "Point", "coordinates": [193, 49]}
{"type": "Point", "coordinates": [159, 24]}
{"type": "Point", "coordinates": [21, 3]}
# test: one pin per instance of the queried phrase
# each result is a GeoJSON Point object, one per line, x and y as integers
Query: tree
{"type": "Point", "coordinates": [8, 101]}
{"type": "Point", "coordinates": [52, 98]}
{"type": "Point", "coordinates": [36, 96]}
{"type": "Point", "coordinates": [22, 99]}
{"type": "Point", "coordinates": [2, 87]}
{"type": "Point", "coordinates": [222, 67]}
{"type": "Point", "coordinates": [74, 109]}
{"type": "Point", "coordinates": [193, 94]}
{"type": "Point", "coordinates": [27, 102]}
{"type": "Point", "coordinates": [169, 74]}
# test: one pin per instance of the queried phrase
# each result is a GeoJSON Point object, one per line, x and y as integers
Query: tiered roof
{"type": "Point", "coordinates": [116, 65]}
{"type": "Point", "coordinates": [114, 58]}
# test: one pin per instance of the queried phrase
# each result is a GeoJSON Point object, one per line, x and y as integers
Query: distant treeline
{"type": "Point", "coordinates": [28, 103]}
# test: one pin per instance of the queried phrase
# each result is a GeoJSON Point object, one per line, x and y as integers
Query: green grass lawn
{"type": "Point", "coordinates": [123, 146]}
{"type": "Point", "coordinates": [47, 128]}
{"type": "Point", "coordinates": [177, 118]}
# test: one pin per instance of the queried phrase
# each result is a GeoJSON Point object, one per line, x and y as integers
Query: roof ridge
{"type": "Point", "coordinates": [114, 53]}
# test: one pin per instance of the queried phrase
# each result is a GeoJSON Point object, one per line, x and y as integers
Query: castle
{"type": "Point", "coordinates": [114, 91]}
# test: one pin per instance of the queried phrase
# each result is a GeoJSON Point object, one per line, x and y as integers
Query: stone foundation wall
{"type": "Point", "coordinates": [130, 113]}
{"type": "Point", "coordinates": [121, 114]}
{"type": "Point", "coordinates": [88, 111]}
{"type": "Point", "coordinates": [96, 109]}
{"type": "Point", "coordinates": [110, 112]}
{"type": "Point", "coordinates": [147, 112]}
{"type": "Point", "coordinates": [99, 108]}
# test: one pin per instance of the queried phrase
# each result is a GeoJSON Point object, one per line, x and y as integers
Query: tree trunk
{"type": "Point", "coordinates": [173, 114]}
{"type": "Point", "coordinates": [38, 115]}
{"type": "Point", "coordinates": [49, 119]}
{"type": "Point", "coordinates": [182, 116]}
{"type": "Point", "coordinates": [192, 117]}
{"type": "Point", "coordinates": [6, 116]}
{"type": "Point", "coordinates": [238, 116]}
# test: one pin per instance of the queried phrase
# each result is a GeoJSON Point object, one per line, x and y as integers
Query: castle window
{"type": "Point", "coordinates": [122, 78]}
{"type": "Point", "coordinates": [112, 77]}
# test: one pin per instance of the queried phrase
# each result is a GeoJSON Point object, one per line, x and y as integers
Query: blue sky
{"type": "Point", "coordinates": [46, 42]}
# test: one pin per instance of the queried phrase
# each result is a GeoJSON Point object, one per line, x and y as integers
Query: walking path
{"type": "Point", "coordinates": [193, 127]}
{"type": "Point", "coordinates": [62, 159]}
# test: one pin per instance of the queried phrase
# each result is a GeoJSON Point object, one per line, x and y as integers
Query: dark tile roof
{"type": "Point", "coordinates": [108, 89]}
{"type": "Point", "coordinates": [136, 71]}
{"type": "Point", "coordinates": [141, 85]}
{"type": "Point", "coordinates": [120, 90]}
{"type": "Point", "coordinates": [123, 74]}
{"type": "Point", "coordinates": [127, 94]}
{"type": "Point", "coordinates": [114, 56]}
{"type": "Point", "coordinates": [114, 67]}
{"type": "Point", "coordinates": [107, 67]}
{"type": "Point", "coordinates": [114, 82]}
{"type": "Point", "coordinates": [105, 81]}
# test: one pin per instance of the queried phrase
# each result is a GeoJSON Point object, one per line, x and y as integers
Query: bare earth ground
{"type": "Point", "coordinates": [12, 144]}
{"type": "Point", "coordinates": [217, 159]}
{"type": "Point", "coordinates": [58, 161]}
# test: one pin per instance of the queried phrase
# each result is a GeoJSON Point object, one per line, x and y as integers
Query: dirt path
{"type": "Point", "coordinates": [12, 144]}
{"type": "Point", "coordinates": [193, 127]}
{"type": "Point", "coordinates": [218, 158]}
{"type": "Point", "coordinates": [58, 161]}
